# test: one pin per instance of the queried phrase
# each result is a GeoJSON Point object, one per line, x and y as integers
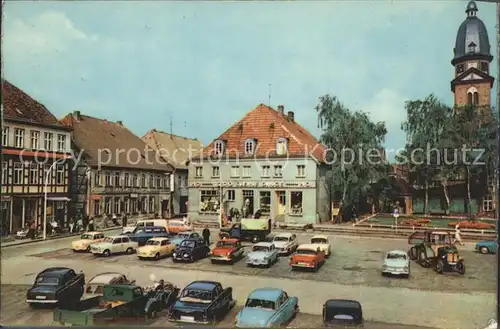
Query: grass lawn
{"type": "Point", "coordinates": [441, 223]}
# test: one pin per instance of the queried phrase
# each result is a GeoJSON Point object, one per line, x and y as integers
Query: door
{"type": "Point", "coordinates": [183, 205]}
{"type": "Point", "coordinates": [239, 252]}
{"type": "Point", "coordinates": [117, 246]}
{"type": "Point", "coordinates": [281, 203]}
{"type": "Point", "coordinates": [248, 204]}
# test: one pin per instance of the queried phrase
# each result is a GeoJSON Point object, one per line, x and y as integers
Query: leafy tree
{"type": "Point", "coordinates": [355, 149]}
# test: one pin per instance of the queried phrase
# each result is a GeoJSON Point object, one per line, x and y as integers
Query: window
{"type": "Point", "coordinates": [61, 143]}
{"type": "Point", "coordinates": [47, 141]}
{"type": "Point", "coordinates": [5, 136]}
{"type": "Point", "coordinates": [215, 171]}
{"type": "Point", "coordinates": [210, 201]}
{"type": "Point", "coordinates": [296, 203]}
{"type": "Point", "coordinates": [281, 146]}
{"type": "Point", "coordinates": [250, 146]}
{"type": "Point", "coordinates": [117, 178]}
{"type": "Point", "coordinates": [151, 181]}
{"type": "Point", "coordinates": [219, 147]}
{"type": "Point", "coordinates": [134, 180]}
{"type": "Point", "coordinates": [144, 205]}
{"type": "Point", "coordinates": [126, 205]}
{"type": "Point", "coordinates": [248, 209]}
{"type": "Point", "coordinates": [460, 68]}
{"type": "Point", "coordinates": [247, 171]}
{"type": "Point", "coordinates": [152, 204]}
{"type": "Point", "coordinates": [97, 178]}
{"type": "Point", "coordinates": [278, 171]}
{"type": "Point", "coordinates": [265, 202]}
{"type": "Point", "coordinates": [472, 47]}
{"type": "Point", "coordinates": [179, 181]}
{"type": "Point", "coordinates": [265, 171]}
{"type": "Point", "coordinates": [488, 203]}
{"type": "Point", "coordinates": [18, 173]}
{"type": "Point", "coordinates": [484, 67]}
{"type": "Point", "coordinates": [158, 181]}
{"type": "Point", "coordinates": [117, 206]}
{"type": "Point", "coordinates": [143, 180]}
{"type": "Point", "coordinates": [476, 99]}
{"type": "Point", "coordinates": [230, 195]}
{"type": "Point", "coordinates": [133, 206]}
{"type": "Point", "coordinates": [19, 138]}
{"type": "Point", "coordinates": [4, 173]}
{"type": "Point", "coordinates": [183, 181]}
{"type": "Point", "coordinates": [126, 180]}
{"type": "Point", "coordinates": [165, 181]}
{"type": "Point", "coordinates": [199, 171]}
{"type": "Point", "coordinates": [97, 207]}
{"type": "Point", "coordinates": [107, 178]}
{"type": "Point", "coordinates": [301, 170]}
{"type": "Point", "coordinates": [60, 174]}
{"type": "Point", "coordinates": [469, 98]}
{"type": "Point", "coordinates": [34, 174]}
{"type": "Point", "coordinates": [107, 206]}
{"type": "Point", "coordinates": [35, 139]}
{"type": "Point", "coordinates": [235, 171]}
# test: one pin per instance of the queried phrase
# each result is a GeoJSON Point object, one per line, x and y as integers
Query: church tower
{"type": "Point", "coordinates": [472, 57]}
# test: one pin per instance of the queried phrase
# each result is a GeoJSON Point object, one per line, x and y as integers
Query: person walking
{"type": "Point", "coordinates": [458, 237]}
{"type": "Point", "coordinates": [71, 225]}
{"type": "Point", "coordinates": [91, 224]}
{"type": "Point", "coordinates": [206, 236]}
{"type": "Point", "coordinates": [79, 225]}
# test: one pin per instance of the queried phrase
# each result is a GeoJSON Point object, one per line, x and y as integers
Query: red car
{"type": "Point", "coordinates": [227, 251]}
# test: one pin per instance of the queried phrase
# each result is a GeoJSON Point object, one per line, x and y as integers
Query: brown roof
{"type": "Point", "coordinates": [267, 125]}
{"type": "Point", "coordinates": [19, 106]}
{"type": "Point", "coordinates": [176, 149]}
{"type": "Point", "coordinates": [94, 136]}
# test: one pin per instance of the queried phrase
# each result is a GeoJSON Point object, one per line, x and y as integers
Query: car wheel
{"type": "Point", "coordinates": [130, 250]}
{"type": "Point", "coordinates": [106, 253]}
{"type": "Point", "coordinates": [255, 239]}
{"type": "Point", "coordinates": [152, 315]}
{"type": "Point", "coordinates": [268, 265]}
{"type": "Point", "coordinates": [439, 266]}
{"type": "Point", "coordinates": [212, 261]}
{"type": "Point", "coordinates": [316, 266]}
{"type": "Point", "coordinates": [157, 256]}
{"type": "Point", "coordinates": [484, 250]}
{"type": "Point", "coordinates": [88, 249]}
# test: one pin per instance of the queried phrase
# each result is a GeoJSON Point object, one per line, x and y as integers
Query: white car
{"type": "Point", "coordinates": [114, 245]}
{"type": "Point", "coordinates": [285, 243]}
{"type": "Point", "coordinates": [321, 242]}
{"type": "Point", "coordinates": [396, 262]}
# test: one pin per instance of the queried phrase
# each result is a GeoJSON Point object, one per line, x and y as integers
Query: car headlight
{"type": "Point", "coordinates": [186, 255]}
{"type": "Point", "coordinates": [174, 254]}
{"type": "Point", "coordinates": [228, 254]}
{"type": "Point", "coordinates": [384, 267]}
{"type": "Point", "coordinates": [405, 268]}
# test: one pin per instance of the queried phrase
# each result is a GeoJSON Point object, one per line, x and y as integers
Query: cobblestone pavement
{"type": "Point", "coordinates": [15, 311]}
{"type": "Point", "coordinates": [353, 261]}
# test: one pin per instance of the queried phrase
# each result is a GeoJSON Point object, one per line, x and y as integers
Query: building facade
{"type": "Point", "coordinates": [36, 162]}
{"type": "Point", "coordinates": [116, 172]}
{"type": "Point", "coordinates": [177, 150]}
{"type": "Point", "coordinates": [265, 162]}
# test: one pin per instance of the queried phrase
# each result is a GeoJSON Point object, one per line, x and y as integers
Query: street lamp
{"type": "Point", "coordinates": [46, 182]}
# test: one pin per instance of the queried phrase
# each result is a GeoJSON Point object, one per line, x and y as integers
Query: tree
{"type": "Point", "coordinates": [355, 149]}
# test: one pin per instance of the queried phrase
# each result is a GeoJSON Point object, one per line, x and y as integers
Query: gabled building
{"type": "Point", "coordinates": [117, 173]}
{"type": "Point", "coordinates": [177, 150]}
{"type": "Point", "coordinates": [266, 161]}
{"type": "Point", "coordinates": [33, 141]}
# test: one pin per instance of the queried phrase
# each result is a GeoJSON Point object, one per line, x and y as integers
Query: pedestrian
{"type": "Point", "coordinates": [206, 235]}
{"type": "Point", "coordinates": [124, 220]}
{"type": "Point", "coordinates": [115, 220]}
{"type": "Point", "coordinates": [79, 225]}
{"type": "Point", "coordinates": [71, 225]}
{"type": "Point", "coordinates": [458, 237]}
{"type": "Point", "coordinates": [91, 224]}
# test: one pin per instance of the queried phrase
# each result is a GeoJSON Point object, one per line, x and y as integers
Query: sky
{"type": "Point", "coordinates": [204, 65]}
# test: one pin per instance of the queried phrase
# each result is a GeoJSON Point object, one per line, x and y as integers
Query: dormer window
{"type": "Point", "coordinates": [281, 146]}
{"type": "Point", "coordinates": [219, 147]}
{"type": "Point", "coordinates": [472, 47]}
{"type": "Point", "coordinates": [250, 146]}
{"type": "Point", "coordinates": [460, 68]}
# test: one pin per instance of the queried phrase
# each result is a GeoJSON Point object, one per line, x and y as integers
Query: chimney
{"type": "Point", "coordinates": [291, 116]}
{"type": "Point", "coordinates": [120, 122]}
{"type": "Point", "coordinates": [281, 109]}
{"type": "Point", "coordinates": [77, 115]}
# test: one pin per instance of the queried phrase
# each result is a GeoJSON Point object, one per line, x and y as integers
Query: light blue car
{"type": "Point", "coordinates": [267, 307]}
{"type": "Point", "coordinates": [487, 247]}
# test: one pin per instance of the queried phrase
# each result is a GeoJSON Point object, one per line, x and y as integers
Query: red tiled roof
{"type": "Point", "coordinates": [19, 106]}
{"type": "Point", "coordinates": [267, 125]}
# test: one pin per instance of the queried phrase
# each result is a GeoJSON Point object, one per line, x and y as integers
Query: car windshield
{"type": "Point", "coordinates": [152, 243]}
{"type": "Point", "coordinates": [318, 241]}
{"type": "Point", "coordinates": [306, 252]}
{"type": "Point", "coordinates": [225, 244]}
{"type": "Point", "coordinates": [86, 237]}
{"type": "Point", "coordinates": [260, 303]}
{"type": "Point", "coordinates": [188, 244]}
{"type": "Point", "coordinates": [47, 281]}
{"type": "Point", "coordinates": [260, 248]}
{"type": "Point", "coordinates": [153, 230]}
{"type": "Point", "coordinates": [194, 295]}
{"type": "Point", "coordinates": [108, 239]}
{"type": "Point", "coordinates": [280, 238]}
{"type": "Point", "coordinates": [396, 256]}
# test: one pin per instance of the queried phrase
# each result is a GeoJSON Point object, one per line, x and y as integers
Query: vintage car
{"type": "Point", "coordinates": [267, 307]}
{"type": "Point", "coordinates": [177, 239]}
{"type": "Point", "coordinates": [114, 245]}
{"type": "Point", "coordinates": [262, 254]}
{"type": "Point", "coordinates": [204, 302]}
{"type": "Point", "coordinates": [322, 242]}
{"type": "Point", "coordinates": [95, 287]}
{"type": "Point", "coordinates": [86, 240]}
{"type": "Point", "coordinates": [155, 248]}
{"type": "Point", "coordinates": [227, 251]}
{"type": "Point", "coordinates": [286, 243]}
{"type": "Point", "coordinates": [487, 247]}
{"type": "Point", "coordinates": [56, 285]}
{"type": "Point", "coordinates": [190, 250]}
{"type": "Point", "coordinates": [343, 313]}
{"type": "Point", "coordinates": [396, 262]}
{"type": "Point", "coordinates": [145, 222]}
{"type": "Point", "coordinates": [142, 235]}
{"type": "Point", "coordinates": [307, 256]}
{"type": "Point", "coordinates": [178, 226]}
{"type": "Point", "coordinates": [248, 229]}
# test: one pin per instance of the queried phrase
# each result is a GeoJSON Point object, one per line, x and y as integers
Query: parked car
{"type": "Point", "coordinates": [204, 302]}
{"type": "Point", "coordinates": [396, 262]}
{"type": "Point", "coordinates": [322, 242]}
{"type": "Point", "coordinates": [155, 248]}
{"type": "Point", "coordinates": [56, 285]}
{"type": "Point", "coordinates": [114, 245]}
{"type": "Point", "coordinates": [178, 226]}
{"type": "Point", "coordinates": [307, 256]}
{"type": "Point", "coordinates": [262, 254]}
{"type": "Point", "coordinates": [86, 240]}
{"type": "Point", "coordinates": [343, 313]}
{"type": "Point", "coordinates": [143, 234]}
{"type": "Point", "coordinates": [267, 307]}
{"type": "Point", "coordinates": [190, 250]}
{"type": "Point", "coordinates": [227, 250]}
{"type": "Point", "coordinates": [249, 229]}
{"type": "Point", "coordinates": [487, 247]}
{"type": "Point", "coordinates": [95, 287]}
{"type": "Point", "coordinates": [143, 223]}
{"type": "Point", "coordinates": [286, 243]}
{"type": "Point", "coordinates": [177, 239]}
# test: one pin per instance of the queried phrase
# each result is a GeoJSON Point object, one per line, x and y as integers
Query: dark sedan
{"type": "Point", "coordinates": [190, 250]}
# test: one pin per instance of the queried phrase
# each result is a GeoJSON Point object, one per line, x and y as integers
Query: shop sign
{"type": "Point", "coordinates": [261, 184]}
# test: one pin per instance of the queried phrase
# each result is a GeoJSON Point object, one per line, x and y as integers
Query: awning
{"type": "Point", "coordinates": [58, 198]}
